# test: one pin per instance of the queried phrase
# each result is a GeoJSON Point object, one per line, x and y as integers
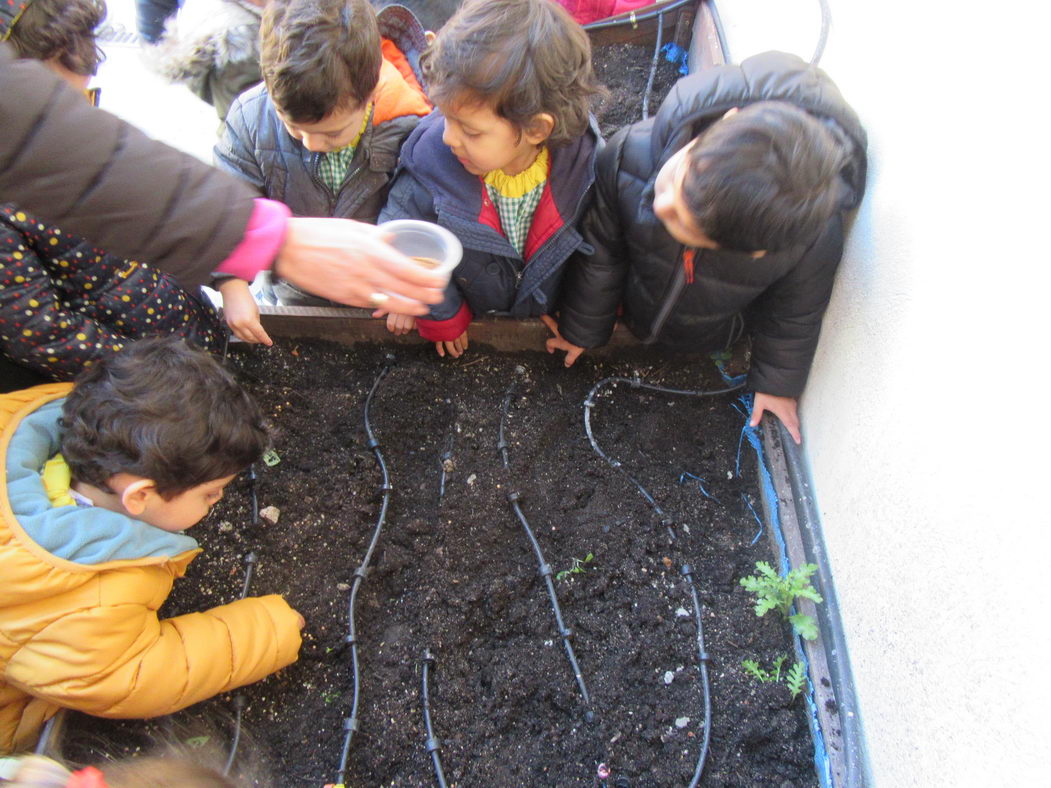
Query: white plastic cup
{"type": "Point", "coordinates": [427, 244]}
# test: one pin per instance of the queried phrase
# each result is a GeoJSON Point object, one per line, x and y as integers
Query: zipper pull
{"type": "Point", "coordinates": [687, 264]}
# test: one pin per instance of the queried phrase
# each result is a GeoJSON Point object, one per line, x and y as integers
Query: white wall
{"type": "Point", "coordinates": [925, 420]}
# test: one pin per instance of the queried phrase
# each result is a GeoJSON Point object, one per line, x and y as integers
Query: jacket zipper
{"type": "Point", "coordinates": [678, 284]}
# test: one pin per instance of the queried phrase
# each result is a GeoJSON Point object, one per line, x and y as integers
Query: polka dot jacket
{"type": "Point", "coordinates": [64, 303]}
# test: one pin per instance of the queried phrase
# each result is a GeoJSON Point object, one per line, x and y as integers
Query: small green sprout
{"type": "Point", "coordinates": [271, 457]}
{"type": "Point", "coordinates": [196, 742]}
{"type": "Point", "coordinates": [330, 697]}
{"type": "Point", "coordinates": [774, 592]}
{"type": "Point", "coordinates": [752, 668]}
{"type": "Point", "coordinates": [579, 565]}
{"type": "Point", "coordinates": [795, 679]}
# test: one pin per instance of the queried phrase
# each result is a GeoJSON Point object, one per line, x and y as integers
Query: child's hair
{"type": "Point", "coordinates": [164, 411]}
{"type": "Point", "coordinates": [62, 30]}
{"type": "Point", "coordinates": [36, 771]}
{"type": "Point", "coordinates": [520, 58]}
{"type": "Point", "coordinates": [319, 55]}
{"type": "Point", "coordinates": [763, 178]}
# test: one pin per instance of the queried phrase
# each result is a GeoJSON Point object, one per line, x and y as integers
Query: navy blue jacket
{"type": "Point", "coordinates": [493, 278]}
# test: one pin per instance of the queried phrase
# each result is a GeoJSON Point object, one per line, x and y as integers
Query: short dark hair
{"type": "Point", "coordinates": [519, 57]}
{"type": "Point", "coordinates": [764, 178]}
{"type": "Point", "coordinates": [62, 30]}
{"type": "Point", "coordinates": [319, 55]}
{"type": "Point", "coordinates": [162, 410]}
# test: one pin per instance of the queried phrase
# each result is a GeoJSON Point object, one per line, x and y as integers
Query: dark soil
{"type": "Point", "coordinates": [624, 69]}
{"type": "Point", "coordinates": [456, 574]}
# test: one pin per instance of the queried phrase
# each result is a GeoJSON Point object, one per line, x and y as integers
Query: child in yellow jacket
{"type": "Point", "coordinates": [101, 480]}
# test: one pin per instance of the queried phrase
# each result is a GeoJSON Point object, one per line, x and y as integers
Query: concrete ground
{"type": "Point", "coordinates": [131, 90]}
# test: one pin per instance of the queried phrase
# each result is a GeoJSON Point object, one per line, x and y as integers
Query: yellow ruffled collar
{"type": "Point", "coordinates": [515, 186]}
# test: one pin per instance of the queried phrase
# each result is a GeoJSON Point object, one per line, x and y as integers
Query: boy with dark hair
{"type": "Point", "coordinates": [723, 215]}
{"type": "Point", "coordinates": [100, 482]}
{"type": "Point", "coordinates": [323, 131]}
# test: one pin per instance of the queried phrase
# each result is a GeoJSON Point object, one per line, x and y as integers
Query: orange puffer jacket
{"type": "Point", "coordinates": [85, 635]}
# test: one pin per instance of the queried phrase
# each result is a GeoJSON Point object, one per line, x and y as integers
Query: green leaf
{"type": "Point", "coordinates": [804, 625]}
{"type": "Point", "coordinates": [777, 666]}
{"type": "Point", "coordinates": [766, 569]}
{"type": "Point", "coordinates": [810, 593]}
{"type": "Point", "coordinates": [795, 679]}
{"type": "Point", "coordinates": [763, 606]}
{"type": "Point", "coordinates": [271, 457]}
{"type": "Point", "coordinates": [196, 742]}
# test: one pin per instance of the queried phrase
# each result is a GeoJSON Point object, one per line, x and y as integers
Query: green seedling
{"type": "Point", "coordinates": [774, 592]}
{"type": "Point", "coordinates": [795, 679]}
{"type": "Point", "coordinates": [330, 697]}
{"type": "Point", "coordinates": [271, 457]}
{"type": "Point", "coordinates": [196, 742]}
{"type": "Point", "coordinates": [579, 565]}
{"type": "Point", "coordinates": [751, 667]}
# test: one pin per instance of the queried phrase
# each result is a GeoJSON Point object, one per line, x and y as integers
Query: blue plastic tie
{"type": "Point", "coordinates": [748, 503]}
{"type": "Point", "coordinates": [674, 53]}
{"type": "Point", "coordinates": [700, 484]}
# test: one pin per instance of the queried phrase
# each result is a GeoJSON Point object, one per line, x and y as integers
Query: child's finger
{"type": "Point", "coordinates": [260, 334]}
{"type": "Point", "coordinates": [440, 347]}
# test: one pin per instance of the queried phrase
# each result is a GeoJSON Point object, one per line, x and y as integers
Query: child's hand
{"type": "Point", "coordinates": [400, 324]}
{"type": "Point", "coordinates": [782, 407]}
{"type": "Point", "coordinates": [242, 312]}
{"type": "Point", "coordinates": [455, 347]}
{"type": "Point", "coordinates": [302, 622]}
{"type": "Point", "coordinates": [558, 343]}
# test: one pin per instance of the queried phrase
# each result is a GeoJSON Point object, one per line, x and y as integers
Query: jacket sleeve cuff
{"type": "Point", "coordinates": [262, 240]}
{"type": "Point", "coordinates": [445, 330]}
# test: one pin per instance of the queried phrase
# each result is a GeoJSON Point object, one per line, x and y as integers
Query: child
{"type": "Point", "coordinates": [505, 163]}
{"type": "Point", "coordinates": [101, 480]}
{"type": "Point", "coordinates": [63, 302]}
{"type": "Point", "coordinates": [708, 221]}
{"type": "Point", "coordinates": [322, 134]}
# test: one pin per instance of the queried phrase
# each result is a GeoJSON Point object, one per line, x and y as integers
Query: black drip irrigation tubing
{"type": "Point", "coordinates": [513, 498]}
{"type": "Point", "coordinates": [350, 724]}
{"type": "Point", "coordinates": [617, 465]}
{"type": "Point", "coordinates": [633, 19]}
{"type": "Point", "coordinates": [686, 571]}
{"type": "Point", "coordinates": [432, 740]}
{"type": "Point", "coordinates": [239, 699]}
{"type": "Point", "coordinates": [653, 67]}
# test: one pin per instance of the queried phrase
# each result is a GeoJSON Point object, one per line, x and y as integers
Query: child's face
{"type": "Point", "coordinates": [670, 207]}
{"type": "Point", "coordinates": [184, 510]}
{"type": "Point", "coordinates": [483, 141]}
{"type": "Point", "coordinates": [334, 131]}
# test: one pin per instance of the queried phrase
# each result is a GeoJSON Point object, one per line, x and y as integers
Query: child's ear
{"type": "Point", "coordinates": [540, 128]}
{"type": "Point", "coordinates": [135, 497]}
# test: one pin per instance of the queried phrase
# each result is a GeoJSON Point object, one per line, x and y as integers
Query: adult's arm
{"type": "Point", "coordinates": [95, 175]}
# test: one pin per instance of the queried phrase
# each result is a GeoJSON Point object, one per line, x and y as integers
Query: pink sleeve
{"type": "Point", "coordinates": [261, 242]}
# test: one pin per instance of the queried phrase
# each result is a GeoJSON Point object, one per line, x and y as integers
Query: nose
{"type": "Point", "coordinates": [449, 137]}
{"type": "Point", "coordinates": [313, 143]}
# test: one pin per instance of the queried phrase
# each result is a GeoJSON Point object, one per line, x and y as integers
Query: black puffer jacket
{"type": "Point", "coordinates": [780, 297]}
{"type": "Point", "coordinates": [95, 175]}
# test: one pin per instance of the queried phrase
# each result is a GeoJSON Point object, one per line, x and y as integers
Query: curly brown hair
{"type": "Point", "coordinates": [519, 57]}
{"type": "Point", "coordinates": [61, 30]}
{"type": "Point", "coordinates": [162, 410]}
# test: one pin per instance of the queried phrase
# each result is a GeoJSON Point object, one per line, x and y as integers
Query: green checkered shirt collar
{"type": "Point", "coordinates": [333, 167]}
{"type": "Point", "coordinates": [516, 198]}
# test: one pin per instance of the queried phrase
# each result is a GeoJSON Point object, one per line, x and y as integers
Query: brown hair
{"type": "Point", "coordinates": [519, 57]}
{"type": "Point", "coordinates": [164, 411]}
{"type": "Point", "coordinates": [62, 30]}
{"type": "Point", "coordinates": [319, 55]}
{"type": "Point", "coordinates": [764, 178]}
